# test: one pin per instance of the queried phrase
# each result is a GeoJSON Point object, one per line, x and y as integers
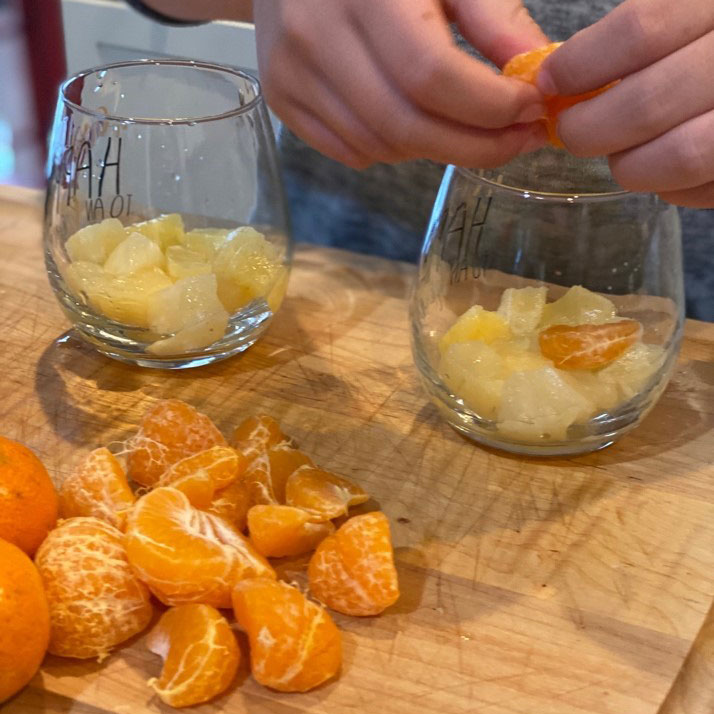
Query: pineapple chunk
{"type": "Point", "coordinates": [205, 241]}
{"type": "Point", "coordinates": [476, 324]}
{"type": "Point", "coordinates": [577, 307]}
{"type": "Point", "coordinates": [602, 394]}
{"type": "Point", "coordinates": [246, 266]}
{"type": "Point", "coordinates": [183, 263]}
{"type": "Point", "coordinates": [184, 304]}
{"type": "Point", "coordinates": [84, 277]}
{"type": "Point", "coordinates": [522, 308]}
{"type": "Point", "coordinates": [630, 373]}
{"type": "Point", "coordinates": [94, 243]}
{"type": "Point", "coordinates": [209, 330]}
{"type": "Point", "coordinates": [124, 297]}
{"type": "Point", "coordinates": [277, 292]}
{"type": "Point", "coordinates": [135, 253]}
{"type": "Point", "coordinates": [472, 371]}
{"type": "Point", "coordinates": [539, 405]}
{"type": "Point", "coordinates": [165, 230]}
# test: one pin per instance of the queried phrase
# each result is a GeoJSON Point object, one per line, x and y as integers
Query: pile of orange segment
{"type": "Point", "coordinates": [190, 519]}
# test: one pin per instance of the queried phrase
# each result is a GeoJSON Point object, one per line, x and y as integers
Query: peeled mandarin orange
{"type": "Point", "coordinates": [187, 555]}
{"type": "Point", "coordinates": [294, 644]}
{"type": "Point", "coordinates": [199, 651]}
{"type": "Point", "coordinates": [267, 474]}
{"type": "Point", "coordinates": [323, 494]}
{"type": "Point", "coordinates": [353, 570]}
{"type": "Point", "coordinates": [197, 487]}
{"type": "Point", "coordinates": [24, 620]}
{"type": "Point", "coordinates": [97, 487]}
{"type": "Point", "coordinates": [261, 430]}
{"type": "Point", "coordinates": [28, 500]}
{"type": "Point", "coordinates": [526, 66]}
{"type": "Point", "coordinates": [95, 599]}
{"type": "Point", "coordinates": [170, 431]}
{"type": "Point", "coordinates": [232, 503]}
{"type": "Point", "coordinates": [588, 346]}
{"type": "Point", "coordinates": [278, 531]}
{"type": "Point", "coordinates": [221, 463]}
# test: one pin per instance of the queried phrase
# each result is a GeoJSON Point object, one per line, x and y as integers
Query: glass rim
{"type": "Point", "coordinates": [194, 64]}
{"type": "Point", "coordinates": [546, 196]}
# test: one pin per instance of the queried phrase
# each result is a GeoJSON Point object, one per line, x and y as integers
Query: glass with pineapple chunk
{"type": "Point", "coordinates": [548, 309]}
{"type": "Point", "coordinates": [166, 230]}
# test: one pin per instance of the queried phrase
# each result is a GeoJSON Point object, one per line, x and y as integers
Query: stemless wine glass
{"type": "Point", "coordinates": [166, 230]}
{"type": "Point", "coordinates": [548, 308]}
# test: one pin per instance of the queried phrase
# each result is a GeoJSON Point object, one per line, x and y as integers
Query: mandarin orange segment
{"type": "Point", "coordinates": [278, 531]}
{"type": "Point", "coordinates": [187, 555]}
{"type": "Point", "coordinates": [232, 503]}
{"type": "Point", "coordinates": [294, 644]}
{"type": "Point", "coordinates": [198, 487]}
{"type": "Point", "coordinates": [268, 473]}
{"type": "Point", "coordinates": [526, 66]}
{"type": "Point", "coordinates": [96, 600]}
{"type": "Point", "coordinates": [28, 500]}
{"type": "Point", "coordinates": [263, 431]}
{"type": "Point", "coordinates": [588, 346]}
{"type": "Point", "coordinates": [353, 570]}
{"type": "Point", "coordinates": [323, 494]}
{"type": "Point", "coordinates": [97, 487]}
{"type": "Point", "coordinates": [199, 651]}
{"type": "Point", "coordinates": [170, 431]}
{"type": "Point", "coordinates": [221, 463]}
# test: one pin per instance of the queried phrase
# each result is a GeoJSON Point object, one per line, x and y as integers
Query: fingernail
{"type": "Point", "coordinates": [546, 83]}
{"type": "Point", "coordinates": [531, 113]}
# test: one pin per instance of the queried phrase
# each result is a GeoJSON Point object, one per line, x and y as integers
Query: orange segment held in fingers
{"type": "Point", "coordinates": [294, 644]}
{"type": "Point", "coordinates": [323, 494]}
{"type": "Point", "coordinates": [278, 531]}
{"type": "Point", "coordinates": [353, 570]}
{"type": "Point", "coordinates": [221, 463]}
{"type": "Point", "coordinates": [187, 555]}
{"type": "Point", "coordinates": [267, 475]}
{"type": "Point", "coordinates": [588, 346]}
{"type": "Point", "coordinates": [199, 651]}
{"type": "Point", "coordinates": [526, 67]}
{"type": "Point", "coordinates": [97, 487]}
{"type": "Point", "coordinates": [169, 431]}
{"type": "Point", "coordinates": [96, 600]}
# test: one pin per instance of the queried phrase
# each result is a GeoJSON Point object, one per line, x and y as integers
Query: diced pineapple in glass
{"type": "Point", "coordinates": [522, 308]}
{"type": "Point", "coordinates": [182, 262]}
{"type": "Point", "coordinates": [578, 306]}
{"type": "Point", "coordinates": [134, 253]}
{"type": "Point", "coordinates": [205, 241]}
{"type": "Point", "coordinates": [476, 324]}
{"type": "Point", "coordinates": [630, 373]}
{"type": "Point", "coordinates": [95, 242]}
{"type": "Point", "coordinates": [165, 230]}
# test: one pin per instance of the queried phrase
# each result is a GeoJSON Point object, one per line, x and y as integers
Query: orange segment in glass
{"type": "Point", "coordinates": [526, 66]}
{"type": "Point", "coordinates": [261, 430]}
{"type": "Point", "coordinates": [221, 463]}
{"type": "Point", "coordinates": [353, 570]}
{"type": "Point", "coordinates": [588, 346]}
{"type": "Point", "coordinates": [294, 644]}
{"type": "Point", "coordinates": [278, 531]}
{"type": "Point", "coordinates": [323, 494]}
{"type": "Point", "coordinates": [266, 476]}
{"type": "Point", "coordinates": [199, 651]}
{"type": "Point", "coordinates": [170, 431]}
{"type": "Point", "coordinates": [96, 600]}
{"type": "Point", "coordinates": [97, 487]}
{"type": "Point", "coordinates": [187, 555]}
{"type": "Point", "coordinates": [232, 503]}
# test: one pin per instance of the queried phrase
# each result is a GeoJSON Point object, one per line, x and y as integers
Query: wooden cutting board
{"type": "Point", "coordinates": [559, 586]}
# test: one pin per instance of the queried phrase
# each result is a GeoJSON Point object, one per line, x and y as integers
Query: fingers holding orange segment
{"type": "Point", "coordinates": [187, 555]}
{"type": "Point", "coordinates": [352, 571]}
{"type": "Point", "coordinates": [294, 644]}
{"type": "Point", "coordinates": [97, 487]}
{"type": "Point", "coordinates": [323, 494]}
{"type": "Point", "coordinates": [588, 346]}
{"type": "Point", "coordinates": [169, 431]}
{"type": "Point", "coordinates": [279, 531]}
{"type": "Point", "coordinates": [199, 651]}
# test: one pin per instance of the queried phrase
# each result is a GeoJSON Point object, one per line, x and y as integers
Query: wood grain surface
{"type": "Point", "coordinates": [554, 586]}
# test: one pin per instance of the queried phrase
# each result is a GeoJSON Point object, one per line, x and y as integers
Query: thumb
{"type": "Point", "coordinates": [499, 29]}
